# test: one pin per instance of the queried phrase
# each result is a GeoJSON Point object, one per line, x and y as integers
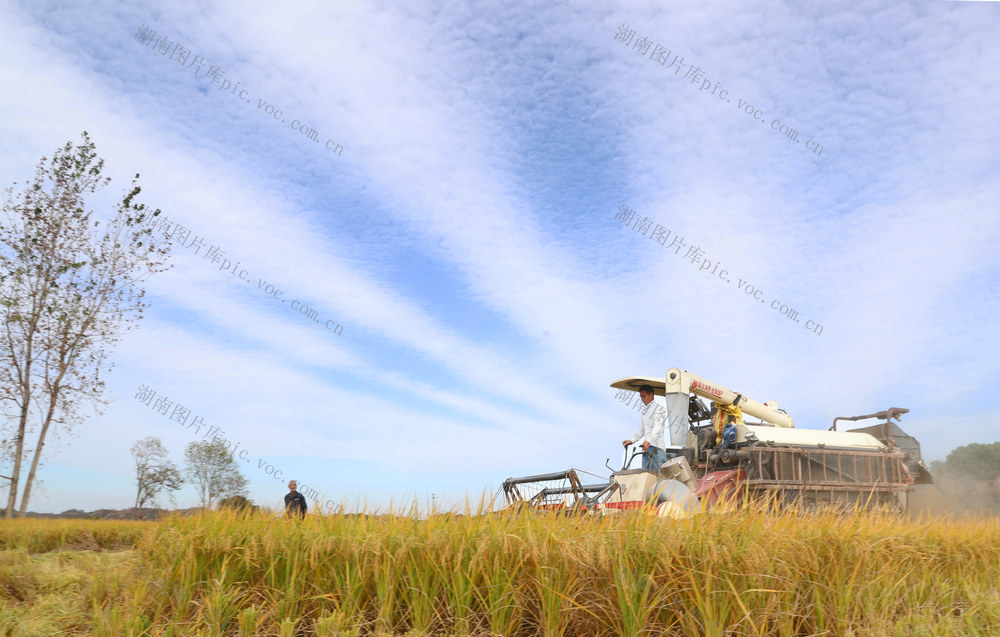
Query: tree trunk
{"type": "Point", "coordinates": [19, 445]}
{"type": "Point", "coordinates": [12, 496]}
{"type": "Point", "coordinates": [55, 388]}
{"type": "Point", "coordinates": [34, 462]}
{"type": "Point", "coordinates": [39, 299]}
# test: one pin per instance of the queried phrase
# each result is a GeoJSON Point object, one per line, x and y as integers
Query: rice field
{"type": "Point", "coordinates": [748, 572]}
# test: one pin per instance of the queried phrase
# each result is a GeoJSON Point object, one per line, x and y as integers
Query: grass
{"type": "Point", "coordinates": [743, 573]}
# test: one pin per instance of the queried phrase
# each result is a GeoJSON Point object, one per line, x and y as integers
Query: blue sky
{"type": "Point", "coordinates": [465, 236]}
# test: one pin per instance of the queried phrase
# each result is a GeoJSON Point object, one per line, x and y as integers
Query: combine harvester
{"type": "Point", "coordinates": [726, 459]}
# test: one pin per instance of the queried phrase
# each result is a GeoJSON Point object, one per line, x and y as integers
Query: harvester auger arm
{"type": "Point", "coordinates": [678, 381]}
{"type": "Point", "coordinates": [682, 383]}
{"type": "Point", "coordinates": [887, 415]}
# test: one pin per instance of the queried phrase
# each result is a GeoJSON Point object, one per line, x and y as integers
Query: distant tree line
{"type": "Point", "coordinates": [976, 461]}
{"type": "Point", "coordinates": [971, 474]}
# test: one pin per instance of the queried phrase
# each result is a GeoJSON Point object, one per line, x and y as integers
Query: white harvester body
{"type": "Point", "coordinates": [771, 458]}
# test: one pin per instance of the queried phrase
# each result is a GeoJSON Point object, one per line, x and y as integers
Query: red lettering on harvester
{"type": "Point", "coordinates": [708, 388]}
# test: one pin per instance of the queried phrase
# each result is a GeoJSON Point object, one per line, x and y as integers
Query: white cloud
{"type": "Point", "coordinates": [465, 239]}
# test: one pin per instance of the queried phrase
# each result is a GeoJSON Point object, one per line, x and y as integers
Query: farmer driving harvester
{"type": "Point", "coordinates": [652, 422]}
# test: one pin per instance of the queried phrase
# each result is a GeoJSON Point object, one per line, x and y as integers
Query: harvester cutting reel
{"type": "Point", "coordinates": [557, 491]}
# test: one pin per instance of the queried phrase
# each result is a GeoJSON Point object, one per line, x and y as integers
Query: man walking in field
{"type": "Point", "coordinates": [651, 426]}
{"type": "Point", "coordinates": [295, 502]}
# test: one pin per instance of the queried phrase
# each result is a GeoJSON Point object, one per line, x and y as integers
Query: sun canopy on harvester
{"type": "Point", "coordinates": [633, 383]}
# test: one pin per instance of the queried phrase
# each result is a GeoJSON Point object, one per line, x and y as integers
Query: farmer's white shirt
{"type": "Point", "coordinates": [651, 425]}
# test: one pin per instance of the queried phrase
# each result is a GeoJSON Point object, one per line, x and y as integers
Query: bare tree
{"type": "Point", "coordinates": [214, 471]}
{"type": "Point", "coordinates": [68, 292]}
{"type": "Point", "coordinates": [153, 471]}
